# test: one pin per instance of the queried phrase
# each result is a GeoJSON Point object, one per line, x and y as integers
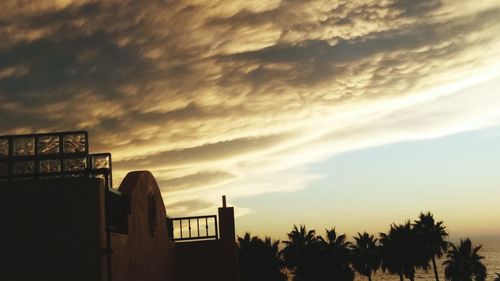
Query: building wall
{"type": "Point", "coordinates": [207, 260]}
{"type": "Point", "coordinates": [54, 230]}
{"type": "Point", "coordinates": [144, 253]}
{"type": "Point", "coordinates": [51, 230]}
{"type": "Point", "coordinates": [146, 256]}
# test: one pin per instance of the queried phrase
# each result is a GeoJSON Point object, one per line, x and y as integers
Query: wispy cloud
{"type": "Point", "coordinates": [237, 96]}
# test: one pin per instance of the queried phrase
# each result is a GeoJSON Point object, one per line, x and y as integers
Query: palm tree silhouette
{"type": "Point", "coordinates": [365, 255]}
{"type": "Point", "coordinates": [335, 257]}
{"type": "Point", "coordinates": [463, 263]}
{"type": "Point", "coordinates": [260, 259]}
{"type": "Point", "coordinates": [302, 254]}
{"type": "Point", "coordinates": [401, 251]}
{"type": "Point", "coordinates": [433, 235]}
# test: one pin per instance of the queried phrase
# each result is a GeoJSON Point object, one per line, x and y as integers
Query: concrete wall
{"type": "Point", "coordinates": [145, 253]}
{"type": "Point", "coordinates": [207, 260]}
{"type": "Point", "coordinates": [51, 230]}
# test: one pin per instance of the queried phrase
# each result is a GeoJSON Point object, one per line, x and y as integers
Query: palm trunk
{"type": "Point", "coordinates": [370, 276]}
{"type": "Point", "coordinates": [435, 268]}
{"type": "Point", "coordinates": [411, 274]}
{"type": "Point", "coordinates": [401, 275]}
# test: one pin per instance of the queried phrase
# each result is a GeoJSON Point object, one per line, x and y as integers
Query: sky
{"type": "Point", "coordinates": [353, 114]}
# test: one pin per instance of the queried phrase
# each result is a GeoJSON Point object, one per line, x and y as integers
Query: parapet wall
{"type": "Point", "coordinates": [145, 253]}
{"type": "Point", "coordinates": [52, 230]}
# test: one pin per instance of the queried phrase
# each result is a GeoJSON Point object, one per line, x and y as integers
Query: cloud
{"type": "Point", "coordinates": [222, 95]}
{"type": "Point", "coordinates": [194, 180]}
{"type": "Point", "coordinates": [189, 205]}
{"type": "Point", "coordinates": [206, 152]}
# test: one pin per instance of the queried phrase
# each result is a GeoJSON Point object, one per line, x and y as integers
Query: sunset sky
{"type": "Point", "coordinates": [353, 114]}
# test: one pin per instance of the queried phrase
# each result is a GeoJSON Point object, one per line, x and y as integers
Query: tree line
{"type": "Point", "coordinates": [405, 248]}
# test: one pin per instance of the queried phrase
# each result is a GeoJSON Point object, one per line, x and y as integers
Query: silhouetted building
{"type": "Point", "coordinates": [61, 220]}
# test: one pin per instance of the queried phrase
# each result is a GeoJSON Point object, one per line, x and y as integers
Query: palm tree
{"type": "Point", "coordinates": [302, 254]}
{"type": "Point", "coordinates": [365, 255]}
{"type": "Point", "coordinates": [463, 263]}
{"type": "Point", "coordinates": [260, 259]}
{"type": "Point", "coordinates": [335, 250]}
{"type": "Point", "coordinates": [433, 235]}
{"type": "Point", "coordinates": [401, 251]}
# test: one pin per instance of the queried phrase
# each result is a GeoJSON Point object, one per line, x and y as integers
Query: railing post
{"type": "Point", "coordinates": [216, 228]}
{"type": "Point", "coordinates": [198, 226]}
{"type": "Point", "coordinates": [206, 226]}
{"type": "Point", "coordinates": [180, 227]}
{"type": "Point", "coordinates": [170, 229]}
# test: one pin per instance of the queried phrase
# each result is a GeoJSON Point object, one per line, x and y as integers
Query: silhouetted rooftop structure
{"type": "Point", "coordinates": [51, 155]}
{"type": "Point", "coordinates": [63, 220]}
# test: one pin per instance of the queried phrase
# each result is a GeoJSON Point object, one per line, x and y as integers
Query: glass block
{"type": "Point", "coordinates": [100, 161]}
{"type": "Point", "coordinates": [24, 168]}
{"type": "Point", "coordinates": [74, 143]}
{"type": "Point", "coordinates": [75, 164]}
{"type": "Point", "coordinates": [48, 145]}
{"type": "Point", "coordinates": [4, 169]}
{"type": "Point", "coordinates": [4, 148]}
{"type": "Point", "coordinates": [50, 166]}
{"type": "Point", "coordinates": [24, 146]}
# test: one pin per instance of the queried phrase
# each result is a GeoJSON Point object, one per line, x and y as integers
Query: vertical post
{"type": "Point", "coordinates": [206, 226]}
{"type": "Point", "coordinates": [107, 221]}
{"type": "Point", "coordinates": [226, 222]}
{"type": "Point", "coordinates": [228, 240]}
{"type": "Point", "coordinates": [180, 227]}
{"type": "Point", "coordinates": [110, 171]}
{"type": "Point", "coordinates": [215, 226]}
{"type": "Point", "coordinates": [198, 226]}
{"type": "Point", "coordinates": [170, 229]}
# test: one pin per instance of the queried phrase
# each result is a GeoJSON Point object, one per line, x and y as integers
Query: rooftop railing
{"type": "Point", "coordinates": [193, 228]}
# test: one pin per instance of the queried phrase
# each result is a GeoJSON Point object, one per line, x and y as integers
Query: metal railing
{"type": "Point", "coordinates": [193, 228]}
